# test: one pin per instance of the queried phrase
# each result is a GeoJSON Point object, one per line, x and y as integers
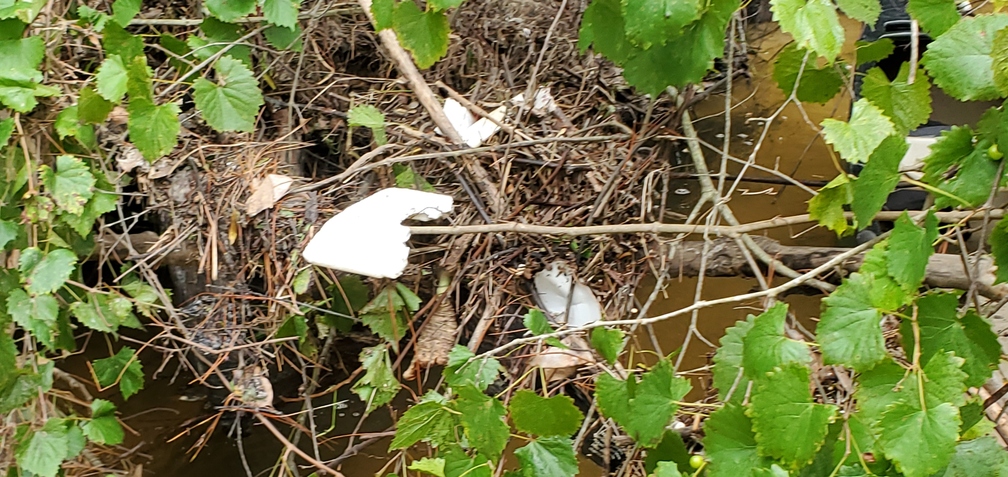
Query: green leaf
{"type": "Point", "coordinates": [70, 185]}
{"type": "Point", "coordinates": [232, 103]}
{"type": "Point", "coordinates": [49, 274]}
{"type": "Point", "coordinates": [94, 17]}
{"type": "Point", "coordinates": [650, 22]}
{"type": "Point", "coordinates": [302, 280]}
{"type": "Point", "coordinates": [459, 464]}
{"type": "Point", "coordinates": [907, 105]}
{"type": "Point", "coordinates": [856, 139]}
{"type": "Point", "coordinates": [814, 24]}
{"type": "Point", "coordinates": [871, 52]}
{"type": "Point", "coordinates": [728, 361]}
{"type": "Point", "coordinates": [218, 35]}
{"type": "Point", "coordinates": [153, 129]}
{"type": "Point", "coordinates": [827, 207]}
{"type": "Point", "coordinates": [603, 28]}
{"type": "Point", "coordinates": [944, 381]}
{"type": "Point", "coordinates": [478, 372]}
{"type": "Point", "coordinates": [123, 367]}
{"type": "Point", "coordinates": [67, 125]}
{"type": "Point", "coordinates": [644, 409]}
{"type": "Point", "coordinates": [730, 443]}
{"type": "Point", "coordinates": [849, 332]}
{"type": "Point", "coordinates": [103, 427]}
{"type": "Point", "coordinates": [878, 389]}
{"type": "Point", "coordinates": [105, 312]}
{"type": "Point", "coordinates": [999, 60]}
{"type": "Point", "coordinates": [379, 385]}
{"type": "Point", "coordinates": [23, 386]}
{"type": "Point", "coordinates": [229, 10]}
{"type": "Point", "coordinates": [670, 449]}
{"type": "Point", "coordinates": [877, 180]}
{"type": "Point", "coordinates": [117, 41]}
{"type": "Point", "coordinates": [537, 323]}
{"type": "Point", "coordinates": [370, 117]}
{"type": "Point", "coordinates": [969, 337]}
{"type": "Point", "coordinates": [909, 249]}
{"type": "Point", "coordinates": [865, 11]}
{"type": "Point", "coordinates": [483, 419]}
{"type": "Point", "coordinates": [919, 441]}
{"type": "Point", "coordinates": [8, 232]}
{"type": "Point", "coordinates": [36, 314]}
{"type": "Point", "coordinates": [935, 16]}
{"type": "Point", "coordinates": [608, 342]}
{"type": "Point", "coordinates": [145, 297]}
{"type": "Point", "coordinates": [110, 79]}
{"type": "Point", "coordinates": [385, 313]}
{"type": "Point", "coordinates": [6, 130]}
{"type": "Point", "coordinates": [998, 242]}
{"type": "Point", "coordinates": [555, 416]}
{"type": "Point", "coordinates": [818, 85]}
{"type": "Point", "coordinates": [382, 10]}
{"type": "Point", "coordinates": [42, 452]}
{"type": "Point", "coordinates": [960, 60]}
{"type": "Point", "coordinates": [782, 406]}
{"type": "Point", "coordinates": [91, 107]}
{"type": "Point", "coordinates": [444, 4]}
{"type": "Point", "coordinates": [281, 13]}
{"type": "Point", "coordinates": [430, 466]}
{"type": "Point", "coordinates": [548, 457]}
{"type": "Point", "coordinates": [765, 347]}
{"type": "Point", "coordinates": [101, 203]}
{"type": "Point", "coordinates": [425, 34]}
{"type": "Point", "coordinates": [981, 457]}
{"type": "Point", "coordinates": [285, 38]}
{"type": "Point", "coordinates": [430, 420]}
{"type": "Point", "coordinates": [124, 10]}
{"type": "Point", "coordinates": [20, 58]}
{"type": "Point", "coordinates": [960, 168]}
{"type": "Point", "coordinates": [667, 469]}
{"type": "Point", "coordinates": [407, 178]}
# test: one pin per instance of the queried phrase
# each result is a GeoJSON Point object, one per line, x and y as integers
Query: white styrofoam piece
{"type": "Point", "coordinates": [368, 238]}
{"type": "Point", "coordinates": [553, 286]}
{"type": "Point", "coordinates": [473, 131]}
{"type": "Point", "coordinates": [913, 160]}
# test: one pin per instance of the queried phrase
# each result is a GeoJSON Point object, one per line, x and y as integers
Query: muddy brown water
{"type": "Point", "coordinates": [157, 417]}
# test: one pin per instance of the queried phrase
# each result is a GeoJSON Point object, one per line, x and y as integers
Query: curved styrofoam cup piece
{"type": "Point", "coordinates": [368, 238]}
{"type": "Point", "coordinates": [553, 285]}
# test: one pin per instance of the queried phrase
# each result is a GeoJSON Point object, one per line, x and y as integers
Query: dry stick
{"type": "Point", "coordinates": [408, 69]}
{"type": "Point", "coordinates": [293, 448]}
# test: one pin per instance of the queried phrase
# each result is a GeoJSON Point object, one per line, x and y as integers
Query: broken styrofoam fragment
{"type": "Point", "coordinates": [368, 238]}
{"type": "Point", "coordinates": [553, 286]}
{"type": "Point", "coordinates": [472, 131]}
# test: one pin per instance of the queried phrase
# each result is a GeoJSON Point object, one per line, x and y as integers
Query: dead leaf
{"type": "Point", "coordinates": [266, 193]}
{"type": "Point", "coordinates": [131, 159]}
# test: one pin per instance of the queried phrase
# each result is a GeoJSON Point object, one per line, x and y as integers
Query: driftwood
{"type": "Point", "coordinates": [724, 259]}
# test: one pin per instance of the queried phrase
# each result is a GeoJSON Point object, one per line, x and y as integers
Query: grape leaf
{"type": "Point", "coordinates": [67, 125]}
{"type": "Point", "coordinates": [536, 322]}
{"type": "Point", "coordinates": [907, 105]}
{"type": "Point", "coordinates": [459, 464]}
{"type": "Point", "coordinates": [101, 203]}
{"type": "Point", "coordinates": [849, 332]}
{"type": "Point", "coordinates": [608, 342]}
{"type": "Point", "coordinates": [229, 10]}
{"type": "Point", "coordinates": [981, 457]}
{"type": "Point", "coordinates": [728, 361]}
{"type": "Point", "coordinates": [877, 389]}
{"type": "Point", "coordinates": [123, 367]}
{"type": "Point", "coordinates": [814, 24]}
{"type": "Point", "coordinates": [827, 207]}
{"type": "Point", "coordinates": [483, 419]}
{"type": "Point", "coordinates": [548, 457]}
{"type": "Point", "coordinates": [650, 22]}
{"type": "Point", "coordinates": [430, 420]}
{"type": "Point", "coordinates": [430, 466]}
{"type": "Point", "coordinates": [110, 79]}
{"type": "Point", "coordinates": [919, 441]}
{"type": "Point", "coordinates": [91, 107]}
{"type": "Point", "coordinates": [667, 469]}
{"type": "Point", "coordinates": [885, 294]}
{"type": "Point", "coordinates": [20, 58]}
{"type": "Point", "coordinates": [909, 249]}
{"type": "Point", "coordinates": [555, 416]}
{"type": "Point", "coordinates": [782, 405]}
{"type": "Point", "coordinates": [765, 347]}
{"type": "Point", "coordinates": [444, 4]}
{"type": "Point", "coordinates": [969, 337]}
{"type": "Point", "coordinates": [730, 443]}
{"type": "Point", "coordinates": [871, 52]}
{"type": "Point", "coordinates": [8, 232]}
{"type": "Point", "coordinates": [379, 385]}
{"type": "Point", "coordinates": [382, 11]}
{"type": "Point", "coordinates": [425, 34]}
{"type": "Point", "coordinates": [999, 62]}
{"type": "Point", "coordinates": [603, 28]}
{"type": "Point", "coordinates": [6, 130]}
{"type": "Point", "coordinates": [103, 427]}
{"type": "Point", "coordinates": [285, 38]}
{"type": "Point", "coordinates": [856, 139]}
{"type": "Point", "coordinates": [944, 382]}
{"type": "Point", "coordinates": [865, 11]}
{"type": "Point", "coordinates": [22, 385]}
{"type": "Point", "coordinates": [960, 168]}
{"type": "Point", "coordinates": [42, 452]}
{"type": "Point", "coordinates": [935, 16]}
{"type": "Point", "coordinates": [51, 272]}
{"type": "Point", "coordinates": [124, 10]}
{"type": "Point", "coordinates": [370, 117]}
{"type": "Point", "coordinates": [105, 312]}
{"type": "Point", "coordinates": [153, 129]}
{"type": "Point", "coordinates": [117, 41]}
{"type": "Point", "coordinates": [232, 103]}
{"type": "Point", "coordinates": [877, 180]}
{"type": "Point", "coordinates": [998, 242]}
{"type": "Point", "coordinates": [281, 12]}
{"type": "Point", "coordinates": [36, 314]}
{"type": "Point", "coordinates": [670, 449]}
{"type": "Point", "coordinates": [385, 313]}
{"type": "Point", "coordinates": [70, 185]}
{"type": "Point", "coordinates": [644, 408]}
{"type": "Point", "coordinates": [219, 34]}
{"type": "Point", "coordinates": [960, 60]}
{"type": "Point", "coordinates": [479, 372]}
{"type": "Point", "coordinates": [818, 85]}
